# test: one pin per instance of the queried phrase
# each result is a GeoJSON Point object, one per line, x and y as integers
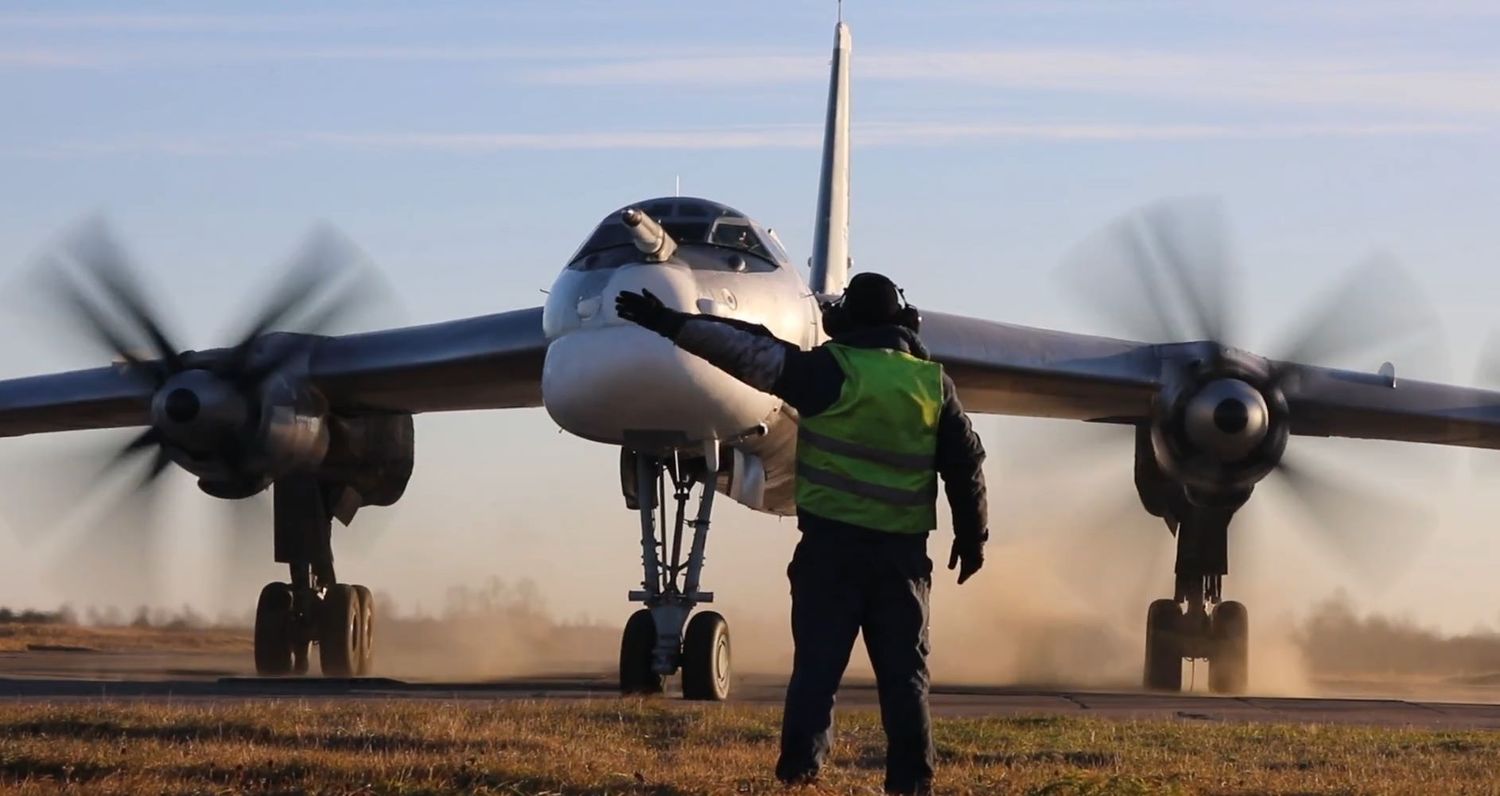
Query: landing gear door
{"type": "Point", "coordinates": [743, 479]}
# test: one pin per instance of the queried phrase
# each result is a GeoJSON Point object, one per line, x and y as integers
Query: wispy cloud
{"type": "Point", "coordinates": [875, 134]}
{"type": "Point", "coordinates": [797, 136]}
{"type": "Point", "coordinates": [1404, 82]}
{"type": "Point", "coordinates": [1220, 77]}
{"type": "Point", "coordinates": [721, 70]}
{"type": "Point", "coordinates": [872, 134]}
{"type": "Point", "coordinates": [131, 22]}
{"type": "Point", "coordinates": [221, 54]}
{"type": "Point", "coordinates": [40, 58]}
{"type": "Point", "coordinates": [1381, 11]}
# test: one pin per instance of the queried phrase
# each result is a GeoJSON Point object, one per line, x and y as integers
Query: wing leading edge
{"type": "Point", "coordinates": [489, 362]}
{"type": "Point", "coordinates": [1017, 370]}
{"type": "Point", "coordinates": [83, 399]}
{"type": "Point", "coordinates": [1325, 402]}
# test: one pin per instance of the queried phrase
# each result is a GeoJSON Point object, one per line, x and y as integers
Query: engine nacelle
{"type": "Point", "coordinates": [293, 431]}
{"type": "Point", "coordinates": [237, 444]}
{"type": "Point", "coordinates": [1221, 428]}
{"type": "Point", "coordinates": [373, 455]}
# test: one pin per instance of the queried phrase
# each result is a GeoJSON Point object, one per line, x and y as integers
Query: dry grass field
{"type": "Point", "coordinates": [17, 637]}
{"type": "Point", "coordinates": [657, 747]}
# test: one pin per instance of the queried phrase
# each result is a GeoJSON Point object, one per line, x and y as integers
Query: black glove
{"type": "Point", "coordinates": [970, 554]}
{"type": "Point", "coordinates": [647, 310]}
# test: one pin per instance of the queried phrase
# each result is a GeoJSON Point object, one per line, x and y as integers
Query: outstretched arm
{"type": "Point", "coordinates": [808, 380]}
{"type": "Point", "coordinates": [750, 353]}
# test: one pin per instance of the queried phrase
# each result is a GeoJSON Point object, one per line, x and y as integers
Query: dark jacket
{"type": "Point", "coordinates": [812, 381]}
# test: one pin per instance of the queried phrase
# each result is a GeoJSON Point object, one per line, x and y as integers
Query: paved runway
{"type": "Point", "coordinates": [79, 675]}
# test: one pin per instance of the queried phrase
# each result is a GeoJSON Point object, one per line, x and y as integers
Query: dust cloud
{"type": "Point", "coordinates": [497, 630]}
{"type": "Point", "coordinates": [1038, 615]}
{"type": "Point", "coordinates": [1025, 622]}
{"type": "Point", "coordinates": [1338, 641]}
{"type": "Point", "coordinates": [1072, 565]}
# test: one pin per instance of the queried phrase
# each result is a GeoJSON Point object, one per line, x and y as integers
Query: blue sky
{"type": "Point", "coordinates": [470, 146]}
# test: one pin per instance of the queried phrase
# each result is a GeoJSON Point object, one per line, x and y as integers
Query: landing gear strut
{"type": "Point", "coordinates": [313, 608]}
{"type": "Point", "coordinates": [1197, 623]}
{"type": "Point", "coordinates": [659, 640]}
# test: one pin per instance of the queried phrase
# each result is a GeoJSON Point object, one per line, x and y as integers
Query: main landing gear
{"type": "Point", "coordinates": [659, 639]}
{"type": "Point", "coordinates": [1197, 623]}
{"type": "Point", "coordinates": [313, 608]}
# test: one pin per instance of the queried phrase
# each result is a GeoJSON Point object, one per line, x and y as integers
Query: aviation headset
{"type": "Point", "coordinates": [838, 319]}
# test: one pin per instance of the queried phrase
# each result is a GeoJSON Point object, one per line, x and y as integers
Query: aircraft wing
{"type": "Point", "coordinates": [489, 362]}
{"type": "Point", "coordinates": [1325, 402]}
{"type": "Point", "coordinates": [1017, 370]}
{"type": "Point", "coordinates": [83, 399]}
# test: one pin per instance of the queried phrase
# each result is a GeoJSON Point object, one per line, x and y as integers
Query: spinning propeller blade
{"type": "Point", "coordinates": [1165, 274]}
{"type": "Point", "coordinates": [94, 287]}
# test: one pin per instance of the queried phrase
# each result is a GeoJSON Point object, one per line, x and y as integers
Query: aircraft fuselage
{"type": "Point", "coordinates": [610, 381]}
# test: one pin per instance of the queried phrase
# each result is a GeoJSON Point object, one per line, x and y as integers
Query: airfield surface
{"type": "Point", "coordinates": [85, 674]}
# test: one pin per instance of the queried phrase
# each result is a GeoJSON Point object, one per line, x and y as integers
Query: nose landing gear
{"type": "Point", "coordinates": [659, 640]}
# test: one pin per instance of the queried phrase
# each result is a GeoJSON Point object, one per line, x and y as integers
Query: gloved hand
{"type": "Point", "coordinates": [647, 310]}
{"type": "Point", "coordinates": [970, 555]}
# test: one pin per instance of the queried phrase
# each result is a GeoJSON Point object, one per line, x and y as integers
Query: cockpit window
{"type": "Point", "coordinates": [690, 222]}
{"type": "Point", "coordinates": [609, 235]}
{"type": "Point", "coordinates": [685, 232]}
{"type": "Point", "coordinates": [738, 234]}
{"type": "Point", "coordinates": [776, 248]}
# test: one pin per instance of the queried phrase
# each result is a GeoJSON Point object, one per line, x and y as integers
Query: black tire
{"type": "Point", "coordinates": [1163, 646]}
{"type": "Point", "coordinates": [366, 645]}
{"type": "Point", "coordinates": [1229, 656]}
{"type": "Point", "coordinates": [636, 648]}
{"type": "Point", "coordinates": [273, 631]}
{"type": "Point", "coordinates": [338, 629]}
{"type": "Point", "coordinates": [706, 658]}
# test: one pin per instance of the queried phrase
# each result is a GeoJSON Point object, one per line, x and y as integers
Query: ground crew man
{"type": "Point", "coordinates": [878, 424]}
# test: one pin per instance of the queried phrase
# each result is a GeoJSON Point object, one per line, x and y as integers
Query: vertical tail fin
{"type": "Point", "coordinates": [830, 257]}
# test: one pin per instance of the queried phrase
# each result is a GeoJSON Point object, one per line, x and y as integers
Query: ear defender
{"type": "Point", "coordinates": [836, 320]}
{"type": "Point", "coordinates": [911, 318]}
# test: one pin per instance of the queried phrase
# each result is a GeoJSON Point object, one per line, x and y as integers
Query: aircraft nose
{"type": "Point", "coordinates": [673, 285]}
{"type": "Point", "coordinates": [610, 380]}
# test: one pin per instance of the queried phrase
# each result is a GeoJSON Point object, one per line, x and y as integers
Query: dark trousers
{"type": "Point", "coordinates": [844, 583]}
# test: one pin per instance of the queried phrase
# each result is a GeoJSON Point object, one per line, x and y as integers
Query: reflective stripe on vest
{"type": "Point", "coordinates": [871, 458]}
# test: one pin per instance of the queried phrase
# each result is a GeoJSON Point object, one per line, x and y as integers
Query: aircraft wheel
{"type": "Point", "coordinates": [705, 658]}
{"type": "Point", "coordinates": [338, 631]}
{"type": "Point", "coordinates": [636, 649]}
{"type": "Point", "coordinates": [1229, 657]}
{"type": "Point", "coordinates": [1163, 646]}
{"type": "Point", "coordinates": [273, 631]}
{"type": "Point", "coordinates": [366, 630]}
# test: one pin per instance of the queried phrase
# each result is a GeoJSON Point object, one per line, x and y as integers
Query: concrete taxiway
{"type": "Point", "coordinates": [66, 675]}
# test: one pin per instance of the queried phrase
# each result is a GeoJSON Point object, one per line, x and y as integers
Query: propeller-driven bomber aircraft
{"type": "Point", "coordinates": [324, 422]}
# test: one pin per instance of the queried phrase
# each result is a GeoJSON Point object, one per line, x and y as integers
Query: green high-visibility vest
{"type": "Point", "coordinates": [871, 458]}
